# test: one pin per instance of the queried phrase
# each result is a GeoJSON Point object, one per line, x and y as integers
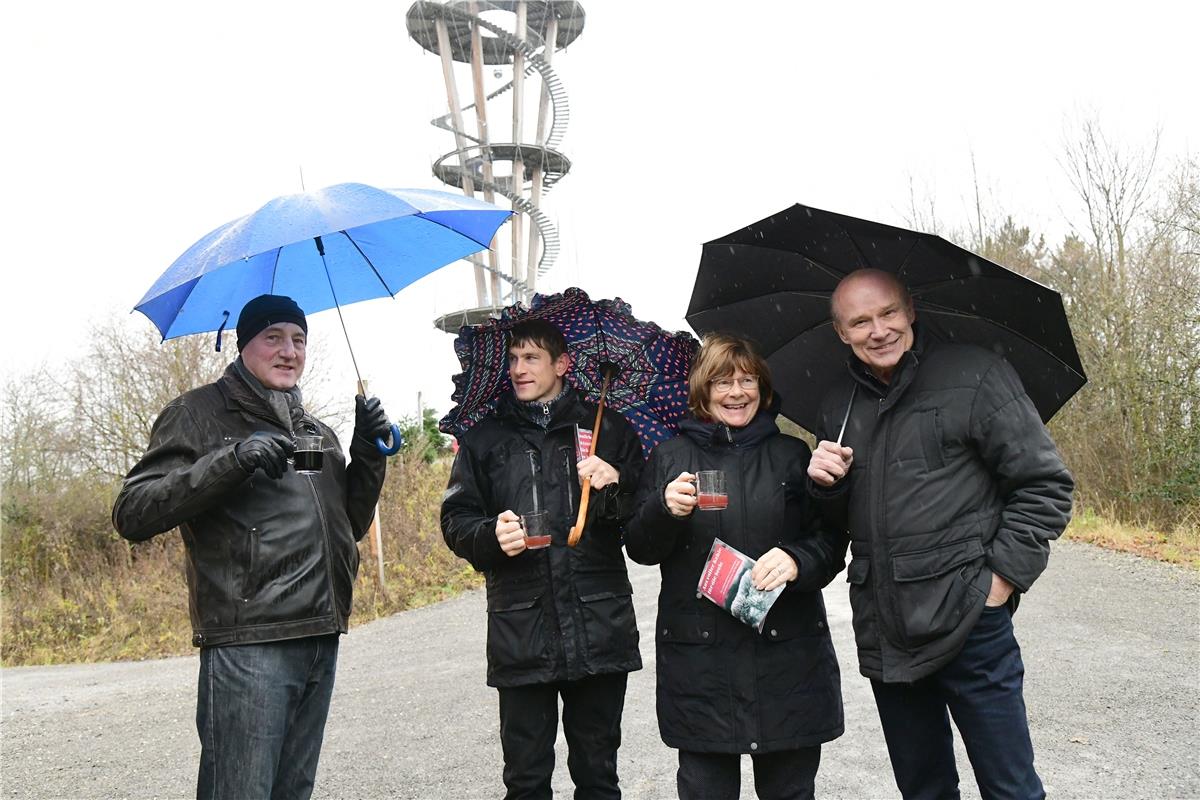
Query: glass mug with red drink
{"type": "Point", "coordinates": [710, 490]}
{"type": "Point", "coordinates": [536, 526]}
{"type": "Point", "coordinates": [309, 456]}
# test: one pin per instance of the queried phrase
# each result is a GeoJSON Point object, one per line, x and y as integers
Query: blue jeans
{"type": "Point", "coordinates": [260, 713]}
{"type": "Point", "coordinates": [982, 689]}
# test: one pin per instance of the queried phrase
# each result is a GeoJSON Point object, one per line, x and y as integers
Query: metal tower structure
{"type": "Point", "coordinates": [486, 160]}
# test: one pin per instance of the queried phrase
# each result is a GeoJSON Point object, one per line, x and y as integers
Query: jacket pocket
{"type": "Point", "coordinates": [778, 519]}
{"type": "Point", "coordinates": [694, 677]}
{"type": "Point", "coordinates": [931, 439]}
{"type": "Point", "coordinates": [250, 567]}
{"type": "Point", "coordinates": [686, 629]}
{"type": "Point", "coordinates": [516, 635]}
{"type": "Point", "coordinates": [798, 688]}
{"type": "Point", "coordinates": [932, 588]}
{"type": "Point", "coordinates": [794, 651]}
{"type": "Point", "coordinates": [862, 604]}
{"type": "Point", "coordinates": [609, 626]}
{"type": "Point", "coordinates": [566, 457]}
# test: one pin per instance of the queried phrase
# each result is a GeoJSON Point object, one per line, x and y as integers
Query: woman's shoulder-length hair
{"type": "Point", "coordinates": [720, 355]}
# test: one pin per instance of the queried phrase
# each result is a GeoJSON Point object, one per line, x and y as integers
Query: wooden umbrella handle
{"type": "Point", "coordinates": [577, 531]}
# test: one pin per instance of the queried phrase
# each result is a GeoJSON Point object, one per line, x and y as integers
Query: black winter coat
{"type": "Point", "coordinates": [722, 686]}
{"type": "Point", "coordinates": [266, 559]}
{"type": "Point", "coordinates": [557, 613]}
{"type": "Point", "coordinates": [954, 477]}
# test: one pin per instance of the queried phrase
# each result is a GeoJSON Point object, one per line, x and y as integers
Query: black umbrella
{"type": "Point", "coordinates": [772, 280]}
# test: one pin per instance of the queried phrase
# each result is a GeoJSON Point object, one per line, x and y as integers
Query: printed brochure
{"type": "Point", "coordinates": [583, 443]}
{"type": "Point", "coordinates": [726, 581]}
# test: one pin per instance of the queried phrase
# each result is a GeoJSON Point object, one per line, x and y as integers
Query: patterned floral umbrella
{"type": "Point", "coordinates": [650, 385]}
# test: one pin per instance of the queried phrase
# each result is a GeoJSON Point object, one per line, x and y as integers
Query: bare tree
{"type": "Point", "coordinates": [1130, 279]}
{"type": "Point", "coordinates": [118, 387]}
{"type": "Point", "coordinates": [1182, 212]}
{"type": "Point", "coordinates": [922, 214]}
{"type": "Point", "coordinates": [1131, 282]}
{"type": "Point", "coordinates": [35, 447]}
{"type": "Point", "coordinates": [1114, 187]}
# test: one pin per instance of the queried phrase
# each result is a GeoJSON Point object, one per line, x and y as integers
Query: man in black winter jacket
{"type": "Point", "coordinates": [271, 552]}
{"type": "Point", "coordinates": [951, 490]}
{"type": "Point", "coordinates": [560, 618]}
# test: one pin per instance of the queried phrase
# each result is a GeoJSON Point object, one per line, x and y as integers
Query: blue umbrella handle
{"type": "Point", "coordinates": [397, 442]}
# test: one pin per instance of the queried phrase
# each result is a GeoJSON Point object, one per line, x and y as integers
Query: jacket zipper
{"type": "Point", "coordinates": [328, 550]}
{"type": "Point", "coordinates": [253, 548]}
{"type": "Point", "coordinates": [570, 477]}
{"type": "Point", "coordinates": [882, 551]}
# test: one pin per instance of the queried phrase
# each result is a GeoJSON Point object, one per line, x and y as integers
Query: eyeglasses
{"type": "Point", "coordinates": [748, 383]}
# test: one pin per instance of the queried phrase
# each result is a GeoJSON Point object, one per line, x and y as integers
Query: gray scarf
{"type": "Point", "coordinates": [287, 406]}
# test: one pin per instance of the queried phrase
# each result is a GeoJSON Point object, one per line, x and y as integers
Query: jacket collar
{"type": "Point", "coordinates": [241, 395]}
{"type": "Point", "coordinates": [717, 434]}
{"type": "Point", "coordinates": [564, 409]}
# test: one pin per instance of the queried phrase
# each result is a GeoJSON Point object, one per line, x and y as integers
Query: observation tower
{"type": "Point", "coordinates": [496, 153]}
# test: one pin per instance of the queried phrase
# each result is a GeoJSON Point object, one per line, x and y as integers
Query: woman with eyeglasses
{"type": "Point", "coordinates": [725, 688]}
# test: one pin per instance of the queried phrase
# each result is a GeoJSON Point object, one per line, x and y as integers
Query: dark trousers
{"type": "Point", "coordinates": [260, 714]}
{"type": "Point", "coordinates": [591, 723]}
{"type": "Point", "coordinates": [981, 689]}
{"type": "Point", "coordinates": [786, 775]}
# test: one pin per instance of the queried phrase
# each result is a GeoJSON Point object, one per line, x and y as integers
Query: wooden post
{"type": "Point", "coordinates": [518, 169]}
{"type": "Point", "coordinates": [468, 185]}
{"type": "Point", "coordinates": [481, 119]}
{"type": "Point", "coordinates": [536, 192]}
{"type": "Point", "coordinates": [375, 529]}
{"type": "Point", "coordinates": [375, 537]}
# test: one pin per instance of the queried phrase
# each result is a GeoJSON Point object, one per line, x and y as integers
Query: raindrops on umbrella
{"type": "Point", "coordinates": [772, 281]}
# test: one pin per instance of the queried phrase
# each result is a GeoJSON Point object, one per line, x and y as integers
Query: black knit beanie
{"type": "Point", "coordinates": [264, 311]}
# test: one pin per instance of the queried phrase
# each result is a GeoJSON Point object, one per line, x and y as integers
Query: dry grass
{"type": "Point", "coordinates": [131, 614]}
{"type": "Point", "coordinates": [1180, 545]}
{"type": "Point", "coordinates": [418, 568]}
{"type": "Point", "coordinates": [73, 591]}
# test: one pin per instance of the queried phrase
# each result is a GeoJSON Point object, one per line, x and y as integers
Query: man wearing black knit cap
{"type": "Point", "coordinates": [271, 552]}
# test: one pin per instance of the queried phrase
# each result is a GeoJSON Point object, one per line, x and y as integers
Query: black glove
{"type": "Point", "coordinates": [266, 451]}
{"type": "Point", "coordinates": [370, 420]}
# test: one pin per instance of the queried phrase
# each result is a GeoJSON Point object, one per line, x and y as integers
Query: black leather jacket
{"type": "Point", "coordinates": [266, 559]}
{"type": "Point", "coordinates": [558, 613]}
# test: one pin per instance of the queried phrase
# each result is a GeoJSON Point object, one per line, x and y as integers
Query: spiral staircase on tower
{"type": "Point", "coordinates": [523, 172]}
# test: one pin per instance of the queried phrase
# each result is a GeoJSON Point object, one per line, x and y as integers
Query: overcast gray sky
{"type": "Point", "coordinates": [133, 128]}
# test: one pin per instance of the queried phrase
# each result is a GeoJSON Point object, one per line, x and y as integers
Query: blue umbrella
{"type": "Point", "coordinates": [324, 249]}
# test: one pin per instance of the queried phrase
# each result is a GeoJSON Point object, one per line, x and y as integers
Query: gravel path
{"type": "Point", "coordinates": [1111, 645]}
